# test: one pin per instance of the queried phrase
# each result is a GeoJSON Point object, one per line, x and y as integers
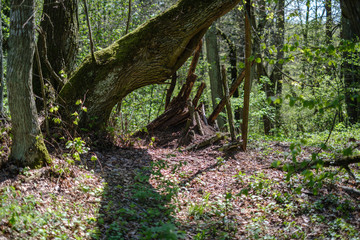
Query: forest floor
{"type": "Point", "coordinates": [138, 189]}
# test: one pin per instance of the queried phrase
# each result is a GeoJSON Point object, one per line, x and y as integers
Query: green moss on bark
{"type": "Point", "coordinates": [37, 156]}
{"type": "Point", "coordinates": [148, 55]}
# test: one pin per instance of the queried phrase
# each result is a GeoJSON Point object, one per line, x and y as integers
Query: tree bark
{"type": "Point", "coordinates": [59, 24]}
{"type": "Point", "coordinates": [1, 70]}
{"type": "Point", "coordinates": [351, 10]}
{"type": "Point", "coordinates": [148, 55]}
{"type": "Point", "coordinates": [170, 90]}
{"type": "Point", "coordinates": [351, 72]}
{"type": "Point", "coordinates": [228, 104]}
{"type": "Point", "coordinates": [213, 59]}
{"type": "Point", "coordinates": [245, 122]}
{"type": "Point", "coordinates": [277, 72]}
{"type": "Point", "coordinates": [328, 24]}
{"type": "Point", "coordinates": [28, 147]}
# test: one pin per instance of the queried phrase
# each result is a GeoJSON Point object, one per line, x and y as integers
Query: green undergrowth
{"type": "Point", "coordinates": [339, 137]}
{"type": "Point", "coordinates": [272, 210]}
{"type": "Point", "coordinates": [48, 216]}
{"type": "Point", "coordinates": [149, 201]}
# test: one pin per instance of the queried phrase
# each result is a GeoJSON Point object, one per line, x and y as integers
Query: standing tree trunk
{"type": "Point", "coordinates": [59, 25]}
{"type": "Point", "coordinates": [28, 148]}
{"type": "Point", "coordinates": [212, 54]}
{"type": "Point", "coordinates": [148, 55]}
{"type": "Point", "coordinates": [276, 76]}
{"type": "Point", "coordinates": [268, 87]}
{"type": "Point", "coordinates": [1, 71]}
{"type": "Point", "coordinates": [306, 30]}
{"type": "Point", "coordinates": [351, 72]}
{"type": "Point", "coordinates": [247, 75]}
{"type": "Point", "coordinates": [328, 24]}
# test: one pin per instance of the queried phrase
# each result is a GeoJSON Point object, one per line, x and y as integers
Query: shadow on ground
{"type": "Point", "coordinates": [131, 208]}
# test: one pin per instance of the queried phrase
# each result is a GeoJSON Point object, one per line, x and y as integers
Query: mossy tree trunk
{"type": "Point", "coordinates": [28, 147]}
{"type": "Point", "coordinates": [213, 59]}
{"type": "Point", "coordinates": [149, 55]}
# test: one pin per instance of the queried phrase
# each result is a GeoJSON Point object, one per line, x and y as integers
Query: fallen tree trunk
{"type": "Point", "coordinates": [308, 164]}
{"type": "Point", "coordinates": [209, 141]}
{"type": "Point", "coordinates": [149, 55]}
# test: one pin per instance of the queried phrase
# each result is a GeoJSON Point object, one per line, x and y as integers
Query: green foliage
{"type": "Point", "coordinates": [21, 218]}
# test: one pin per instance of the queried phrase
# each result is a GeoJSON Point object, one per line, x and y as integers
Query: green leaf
{"type": "Point", "coordinates": [347, 151]}
{"type": "Point", "coordinates": [258, 60]}
{"type": "Point", "coordinates": [228, 196]}
{"type": "Point", "coordinates": [277, 101]}
{"type": "Point", "coordinates": [323, 146]}
{"type": "Point", "coordinates": [292, 101]}
{"type": "Point", "coordinates": [275, 164]}
{"type": "Point", "coordinates": [244, 191]}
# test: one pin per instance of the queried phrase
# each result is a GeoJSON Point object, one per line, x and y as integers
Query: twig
{"type": "Point", "coordinates": [46, 60]}
{"type": "Point", "coordinates": [42, 90]}
{"type": "Point", "coordinates": [170, 90]}
{"type": "Point", "coordinates": [128, 18]}
{"type": "Point", "coordinates": [90, 33]}
{"type": "Point", "coordinates": [228, 105]}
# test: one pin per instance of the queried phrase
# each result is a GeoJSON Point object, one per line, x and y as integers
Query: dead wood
{"type": "Point", "coordinates": [230, 146]}
{"type": "Point", "coordinates": [199, 93]}
{"type": "Point", "coordinates": [228, 104]}
{"type": "Point", "coordinates": [176, 112]}
{"type": "Point", "coordinates": [209, 141]}
{"type": "Point", "coordinates": [342, 162]}
{"type": "Point", "coordinates": [211, 119]}
{"type": "Point", "coordinates": [170, 90]}
{"type": "Point", "coordinates": [203, 114]}
{"type": "Point", "coordinates": [198, 123]}
{"type": "Point", "coordinates": [351, 191]}
{"type": "Point", "coordinates": [190, 120]}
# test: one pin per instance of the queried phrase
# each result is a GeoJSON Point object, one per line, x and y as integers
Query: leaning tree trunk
{"type": "Point", "coordinates": [149, 55]}
{"type": "Point", "coordinates": [57, 43]}
{"type": "Point", "coordinates": [28, 147]}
